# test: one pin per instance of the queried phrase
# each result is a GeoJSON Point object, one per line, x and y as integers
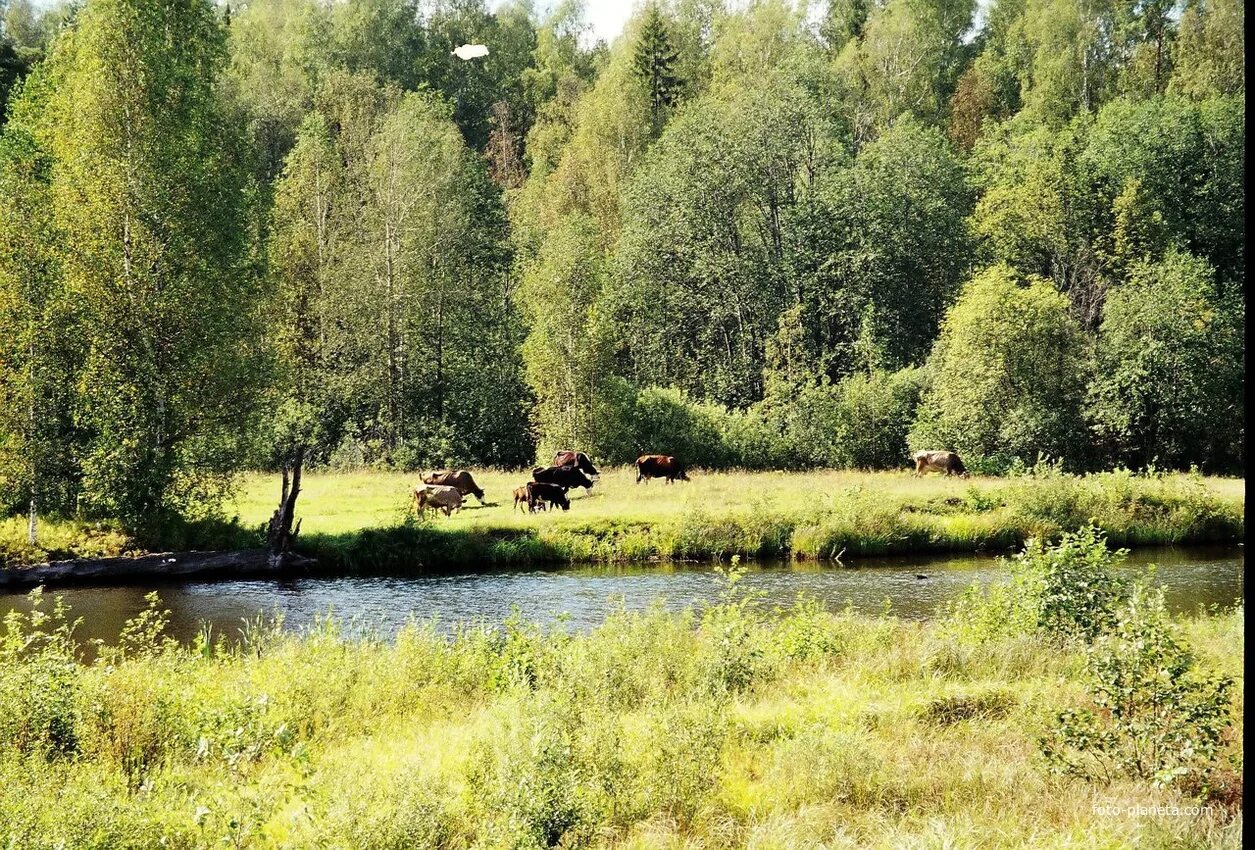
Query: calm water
{"type": "Point", "coordinates": [1193, 577]}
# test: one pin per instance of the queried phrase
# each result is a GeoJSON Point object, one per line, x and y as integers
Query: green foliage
{"type": "Point", "coordinates": [313, 226]}
{"type": "Point", "coordinates": [655, 61]}
{"type": "Point", "coordinates": [861, 423]}
{"type": "Point", "coordinates": [1154, 715]}
{"type": "Point", "coordinates": [1072, 584]}
{"type": "Point", "coordinates": [673, 725]}
{"type": "Point", "coordinates": [40, 685]}
{"type": "Point", "coordinates": [1007, 376]}
{"type": "Point", "coordinates": [1168, 389]}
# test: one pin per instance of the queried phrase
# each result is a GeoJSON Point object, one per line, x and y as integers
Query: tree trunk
{"type": "Point", "coordinates": [281, 534]}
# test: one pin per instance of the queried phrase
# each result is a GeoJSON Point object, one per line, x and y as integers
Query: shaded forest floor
{"type": "Point", "coordinates": [365, 521]}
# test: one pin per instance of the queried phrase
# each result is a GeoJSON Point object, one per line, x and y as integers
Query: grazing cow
{"type": "Point", "coordinates": [539, 493]}
{"type": "Point", "coordinates": [437, 498]}
{"type": "Point", "coordinates": [579, 460]}
{"type": "Point", "coordinates": [659, 466]}
{"type": "Point", "coordinates": [565, 477]}
{"type": "Point", "coordinates": [944, 462]}
{"type": "Point", "coordinates": [461, 479]}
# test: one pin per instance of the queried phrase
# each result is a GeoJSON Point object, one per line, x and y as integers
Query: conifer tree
{"type": "Point", "coordinates": [654, 61]}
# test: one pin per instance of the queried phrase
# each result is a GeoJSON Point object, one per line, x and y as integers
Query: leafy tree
{"type": "Point", "coordinates": [304, 250]}
{"type": "Point", "coordinates": [152, 212]}
{"type": "Point", "coordinates": [1209, 54]}
{"type": "Point", "coordinates": [1169, 384]}
{"type": "Point", "coordinates": [280, 51]}
{"type": "Point", "coordinates": [40, 350]}
{"type": "Point", "coordinates": [567, 351]}
{"type": "Point", "coordinates": [844, 20]}
{"type": "Point", "coordinates": [1007, 375]}
{"type": "Point", "coordinates": [886, 233]}
{"type": "Point", "coordinates": [700, 257]}
{"type": "Point", "coordinates": [908, 60]}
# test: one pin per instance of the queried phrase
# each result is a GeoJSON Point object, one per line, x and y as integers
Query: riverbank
{"type": "Point", "coordinates": [363, 522]}
{"type": "Point", "coordinates": [721, 727]}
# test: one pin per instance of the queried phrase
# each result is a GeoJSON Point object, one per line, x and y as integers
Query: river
{"type": "Point", "coordinates": [913, 588]}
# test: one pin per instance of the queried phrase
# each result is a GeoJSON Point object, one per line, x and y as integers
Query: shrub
{"type": "Point", "coordinates": [669, 422]}
{"type": "Point", "coordinates": [874, 415]}
{"type": "Point", "coordinates": [1154, 715]}
{"type": "Point", "coordinates": [1007, 373]}
{"type": "Point", "coordinates": [39, 681]}
{"type": "Point", "coordinates": [1068, 590]}
{"type": "Point", "coordinates": [731, 630]}
{"type": "Point", "coordinates": [1072, 584]}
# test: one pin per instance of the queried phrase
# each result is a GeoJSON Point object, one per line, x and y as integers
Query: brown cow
{"type": "Point", "coordinates": [659, 466]}
{"type": "Point", "coordinates": [437, 498]}
{"type": "Point", "coordinates": [461, 479]}
{"type": "Point", "coordinates": [579, 460]}
{"type": "Point", "coordinates": [939, 461]}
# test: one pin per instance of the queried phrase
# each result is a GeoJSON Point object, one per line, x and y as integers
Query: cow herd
{"type": "Point", "coordinates": [444, 490]}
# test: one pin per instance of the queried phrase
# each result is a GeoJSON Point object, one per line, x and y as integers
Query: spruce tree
{"type": "Point", "coordinates": [654, 61]}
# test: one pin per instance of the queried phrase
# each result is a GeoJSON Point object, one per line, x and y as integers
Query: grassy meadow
{"type": "Point", "coordinates": [359, 519]}
{"type": "Point", "coordinates": [365, 520]}
{"type": "Point", "coordinates": [723, 727]}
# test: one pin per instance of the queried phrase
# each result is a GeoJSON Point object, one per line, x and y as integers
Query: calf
{"type": "Point", "coordinates": [522, 501]}
{"type": "Point", "coordinates": [939, 461]}
{"type": "Point", "coordinates": [538, 493]}
{"type": "Point", "coordinates": [437, 498]}
{"type": "Point", "coordinates": [659, 466]}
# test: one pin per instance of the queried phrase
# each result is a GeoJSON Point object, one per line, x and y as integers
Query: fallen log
{"type": "Point", "coordinates": [243, 563]}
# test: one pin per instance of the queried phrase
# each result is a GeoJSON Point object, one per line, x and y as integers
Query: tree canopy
{"type": "Point", "coordinates": [790, 236]}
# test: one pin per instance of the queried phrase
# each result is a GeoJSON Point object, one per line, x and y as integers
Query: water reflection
{"type": "Point", "coordinates": [909, 587]}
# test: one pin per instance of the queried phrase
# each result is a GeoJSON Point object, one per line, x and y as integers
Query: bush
{"type": "Point", "coordinates": [39, 682]}
{"type": "Point", "coordinates": [1072, 584]}
{"type": "Point", "coordinates": [1007, 374]}
{"type": "Point", "coordinates": [1154, 716]}
{"type": "Point", "coordinates": [1068, 590]}
{"type": "Point", "coordinates": [668, 422]}
{"type": "Point", "coordinates": [861, 422]}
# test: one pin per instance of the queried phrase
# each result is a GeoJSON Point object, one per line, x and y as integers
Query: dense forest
{"type": "Point", "coordinates": [751, 235]}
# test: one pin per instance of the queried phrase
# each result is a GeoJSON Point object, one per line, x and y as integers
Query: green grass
{"type": "Point", "coordinates": [723, 728]}
{"type": "Point", "coordinates": [364, 521]}
{"type": "Point", "coordinates": [359, 521]}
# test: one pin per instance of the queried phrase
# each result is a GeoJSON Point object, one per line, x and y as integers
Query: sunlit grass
{"type": "Point", "coordinates": [654, 729]}
{"type": "Point", "coordinates": [364, 520]}
{"type": "Point", "coordinates": [333, 503]}
{"type": "Point", "coordinates": [807, 515]}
